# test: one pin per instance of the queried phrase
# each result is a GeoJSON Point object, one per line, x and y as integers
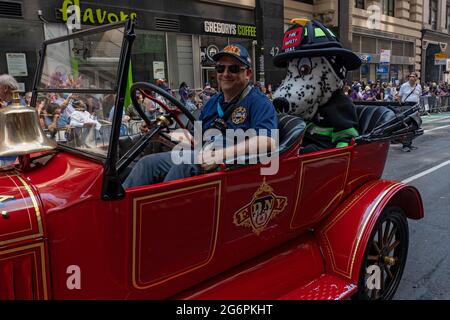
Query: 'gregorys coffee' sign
{"type": "Point", "coordinates": [231, 29]}
{"type": "Point", "coordinates": [88, 15]}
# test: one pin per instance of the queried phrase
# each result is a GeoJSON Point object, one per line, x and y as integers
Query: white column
{"type": "Point", "coordinates": [426, 14]}
{"type": "Point", "coordinates": [442, 6]}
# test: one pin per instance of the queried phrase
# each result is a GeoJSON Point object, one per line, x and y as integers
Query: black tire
{"type": "Point", "coordinates": [390, 257]}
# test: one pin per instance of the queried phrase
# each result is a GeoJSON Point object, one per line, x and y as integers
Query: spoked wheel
{"type": "Point", "coordinates": [385, 257]}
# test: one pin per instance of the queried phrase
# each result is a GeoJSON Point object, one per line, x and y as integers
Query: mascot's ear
{"type": "Point", "coordinates": [281, 105]}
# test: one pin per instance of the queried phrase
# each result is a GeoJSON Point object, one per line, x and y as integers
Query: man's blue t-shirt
{"type": "Point", "coordinates": [255, 111]}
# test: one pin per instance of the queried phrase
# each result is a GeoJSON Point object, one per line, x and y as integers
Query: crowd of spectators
{"type": "Point", "coordinates": [383, 91]}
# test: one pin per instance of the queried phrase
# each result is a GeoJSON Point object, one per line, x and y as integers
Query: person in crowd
{"type": "Point", "coordinates": [191, 103]}
{"type": "Point", "coordinates": [388, 93]}
{"type": "Point", "coordinates": [183, 92]}
{"type": "Point", "coordinates": [162, 83]}
{"type": "Point", "coordinates": [347, 90]}
{"type": "Point", "coordinates": [41, 105]}
{"type": "Point", "coordinates": [131, 110]}
{"type": "Point", "coordinates": [151, 108]}
{"type": "Point", "coordinates": [354, 94]}
{"type": "Point", "coordinates": [65, 103]}
{"type": "Point", "coordinates": [53, 113]}
{"type": "Point", "coordinates": [7, 86]}
{"type": "Point", "coordinates": [269, 92]}
{"type": "Point", "coordinates": [27, 98]}
{"type": "Point", "coordinates": [206, 94]}
{"type": "Point", "coordinates": [410, 91]}
{"type": "Point", "coordinates": [93, 105]}
{"type": "Point", "coordinates": [107, 105]}
{"type": "Point", "coordinates": [257, 85]}
{"type": "Point", "coordinates": [368, 95]}
{"type": "Point", "coordinates": [82, 119]}
{"type": "Point", "coordinates": [378, 93]}
{"type": "Point", "coordinates": [426, 92]}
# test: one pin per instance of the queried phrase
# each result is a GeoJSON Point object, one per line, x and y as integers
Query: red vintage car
{"type": "Point", "coordinates": [324, 227]}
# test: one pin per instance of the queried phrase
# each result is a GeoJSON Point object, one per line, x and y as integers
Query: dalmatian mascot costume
{"type": "Point", "coordinates": [316, 68]}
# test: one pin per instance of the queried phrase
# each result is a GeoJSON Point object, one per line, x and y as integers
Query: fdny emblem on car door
{"type": "Point", "coordinates": [264, 207]}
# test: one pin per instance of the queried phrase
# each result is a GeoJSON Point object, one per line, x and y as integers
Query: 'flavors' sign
{"type": "Point", "coordinates": [91, 15]}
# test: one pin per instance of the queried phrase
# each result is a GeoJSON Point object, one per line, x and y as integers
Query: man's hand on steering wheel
{"type": "Point", "coordinates": [182, 137]}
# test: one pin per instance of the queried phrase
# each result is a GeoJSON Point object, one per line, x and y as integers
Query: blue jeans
{"type": "Point", "coordinates": [4, 161]}
{"type": "Point", "coordinates": [159, 167]}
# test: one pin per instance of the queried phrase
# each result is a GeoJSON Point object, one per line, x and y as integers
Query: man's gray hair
{"type": "Point", "coordinates": [9, 81]}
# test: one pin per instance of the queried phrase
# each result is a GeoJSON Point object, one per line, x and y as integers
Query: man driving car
{"type": "Point", "coordinates": [238, 106]}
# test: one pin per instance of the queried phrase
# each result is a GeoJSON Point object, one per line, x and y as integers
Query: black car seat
{"type": "Point", "coordinates": [370, 117]}
{"type": "Point", "coordinates": [291, 130]}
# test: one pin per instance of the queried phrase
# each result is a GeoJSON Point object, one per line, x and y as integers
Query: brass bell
{"type": "Point", "coordinates": [20, 131]}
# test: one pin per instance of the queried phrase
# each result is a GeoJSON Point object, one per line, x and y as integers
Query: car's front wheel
{"type": "Point", "coordinates": [385, 256]}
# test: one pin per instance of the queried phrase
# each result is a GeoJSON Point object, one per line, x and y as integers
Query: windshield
{"type": "Point", "coordinates": [88, 62]}
{"type": "Point", "coordinates": [77, 88]}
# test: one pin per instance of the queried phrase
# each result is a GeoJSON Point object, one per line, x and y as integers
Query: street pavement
{"type": "Point", "coordinates": [427, 272]}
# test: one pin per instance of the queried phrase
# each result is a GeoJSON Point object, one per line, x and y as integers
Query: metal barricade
{"type": "Point", "coordinates": [429, 104]}
{"type": "Point", "coordinates": [424, 105]}
{"type": "Point", "coordinates": [445, 103]}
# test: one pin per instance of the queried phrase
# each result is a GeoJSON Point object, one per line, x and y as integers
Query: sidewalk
{"type": "Point", "coordinates": [433, 117]}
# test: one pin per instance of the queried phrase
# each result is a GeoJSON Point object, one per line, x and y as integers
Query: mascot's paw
{"type": "Point", "coordinates": [281, 105]}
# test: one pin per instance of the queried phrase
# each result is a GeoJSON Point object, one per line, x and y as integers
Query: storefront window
{"type": "Point", "coordinates": [148, 57]}
{"type": "Point", "coordinates": [365, 72]}
{"type": "Point", "coordinates": [208, 46]}
{"type": "Point", "coordinates": [24, 38]}
{"type": "Point", "coordinates": [181, 62]}
{"type": "Point", "coordinates": [400, 72]}
{"type": "Point", "coordinates": [393, 73]}
{"type": "Point", "coordinates": [382, 72]}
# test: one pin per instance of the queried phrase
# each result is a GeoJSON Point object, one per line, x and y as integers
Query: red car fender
{"type": "Point", "coordinates": [343, 237]}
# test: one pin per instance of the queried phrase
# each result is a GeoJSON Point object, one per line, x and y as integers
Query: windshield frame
{"type": "Point", "coordinates": [128, 27]}
{"type": "Point", "coordinates": [112, 188]}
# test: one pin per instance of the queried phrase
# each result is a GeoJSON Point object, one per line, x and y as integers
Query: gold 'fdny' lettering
{"type": "Point", "coordinates": [264, 207]}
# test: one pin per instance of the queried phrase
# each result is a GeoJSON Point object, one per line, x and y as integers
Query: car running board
{"type": "Point", "coordinates": [326, 287]}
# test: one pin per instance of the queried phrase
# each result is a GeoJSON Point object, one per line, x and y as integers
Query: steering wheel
{"type": "Point", "coordinates": [145, 88]}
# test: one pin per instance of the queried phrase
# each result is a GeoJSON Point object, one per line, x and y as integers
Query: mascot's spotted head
{"type": "Point", "coordinates": [317, 65]}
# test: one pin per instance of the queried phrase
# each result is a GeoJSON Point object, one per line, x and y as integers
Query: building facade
{"type": "Point", "coordinates": [436, 37]}
{"type": "Point", "coordinates": [176, 38]}
{"type": "Point", "coordinates": [386, 34]}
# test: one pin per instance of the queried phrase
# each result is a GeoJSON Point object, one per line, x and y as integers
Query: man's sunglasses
{"type": "Point", "coordinates": [234, 68]}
